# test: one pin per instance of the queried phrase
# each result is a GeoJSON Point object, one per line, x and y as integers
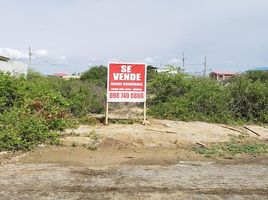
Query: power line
{"type": "Point", "coordinates": [71, 62]}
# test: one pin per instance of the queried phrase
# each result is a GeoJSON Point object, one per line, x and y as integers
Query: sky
{"type": "Point", "coordinates": [71, 35]}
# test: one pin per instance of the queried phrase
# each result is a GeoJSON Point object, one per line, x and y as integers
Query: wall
{"type": "Point", "coordinates": [14, 67]}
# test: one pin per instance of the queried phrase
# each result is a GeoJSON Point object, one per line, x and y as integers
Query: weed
{"type": "Point", "coordinates": [96, 139]}
{"type": "Point", "coordinates": [92, 147]}
{"type": "Point", "coordinates": [234, 146]}
{"type": "Point", "coordinates": [88, 120]}
{"type": "Point", "coordinates": [53, 139]}
{"type": "Point", "coordinates": [93, 135]}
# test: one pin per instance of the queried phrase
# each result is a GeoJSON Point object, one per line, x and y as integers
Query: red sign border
{"type": "Point", "coordinates": [126, 63]}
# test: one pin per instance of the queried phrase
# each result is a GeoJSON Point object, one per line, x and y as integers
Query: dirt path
{"type": "Point", "coordinates": [136, 162]}
{"type": "Point", "coordinates": [184, 180]}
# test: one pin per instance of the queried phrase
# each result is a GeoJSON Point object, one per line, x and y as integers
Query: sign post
{"type": "Point", "coordinates": [126, 82]}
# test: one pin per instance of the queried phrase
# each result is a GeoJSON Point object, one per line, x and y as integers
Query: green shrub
{"type": "Point", "coordinates": [32, 109]}
{"type": "Point", "coordinates": [22, 130]}
{"type": "Point", "coordinates": [11, 91]}
{"type": "Point", "coordinates": [96, 75]}
{"type": "Point", "coordinates": [187, 98]}
{"type": "Point", "coordinates": [84, 96]}
{"type": "Point", "coordinates": [88, 120]}
{"type": "Point", "coordinates": [257, 75]}
{"type": "Point", "coordinates": [249, 99]}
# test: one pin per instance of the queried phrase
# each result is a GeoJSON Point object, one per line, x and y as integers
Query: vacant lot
{"type": "Point", "coordinates": [121, 161]}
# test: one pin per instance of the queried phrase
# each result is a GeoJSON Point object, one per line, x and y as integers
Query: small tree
{"type": "Point", "coordinates": [96, 75]}
{"type": "Point", "coordinates": [151, 72]}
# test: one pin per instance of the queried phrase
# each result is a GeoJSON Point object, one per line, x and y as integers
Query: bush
{"type": "Point", "coordinates": [185, 97]}
{"type": "Point", "coordinates": [84, 96]}
{"type": "Point", "coordinates": [33, 108]}
{"type": "Point", "coordinates": [11, 92]}
{"type": "Point", "coordinates": [257, 75]}
{"type": "Point", "coordinates": [188, 98]}
{"type": "Point", "coordinates": [249, 99]}
{"type": "Point", "coordinates": [21, 130]}
{"type": "Point", "coordinates": [96, 75]}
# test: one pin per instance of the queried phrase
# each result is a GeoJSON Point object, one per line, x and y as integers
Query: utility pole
{"type": "Point", "coordinates": [183, 60]}
{"type": "Point", "coordinates": [205, 66]}
{"type": "Point", "coordinates": [30, 56]}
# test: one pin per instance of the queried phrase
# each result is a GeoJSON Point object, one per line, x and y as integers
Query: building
{"type": "Point", "coordinates": [170, 70]}
{"type": "Point", "coordinates": [60, 75]}
{"type": "Point", "coordinates": [66, 76]}
{"type": "Point", "coordinates": [71, 77]}
{"type": "Point", "coordinates": [222, 76]}
{"type": "Point", "coordinates": [13, 67]}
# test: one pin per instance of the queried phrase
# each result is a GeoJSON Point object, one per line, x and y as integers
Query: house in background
{"type": "Point", "coordinates": [170, 69]}
{"type": "Point", "coordinates": [66, 76]}
{"type": "Point", "coordinates": [13, 67]}
{"type": "Point", "coordinates": [222, 76]}
{"type": "Point", "coordinates": [60, 75]}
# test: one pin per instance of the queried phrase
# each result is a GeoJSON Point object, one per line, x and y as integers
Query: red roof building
{"type": "Point", "coordinates": [222, 76]}
{"type": "Point", "coordinates": [60, 75]}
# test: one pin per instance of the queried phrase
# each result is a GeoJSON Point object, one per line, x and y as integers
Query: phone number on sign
{"type": "Point", "coordinates": [133, 95]}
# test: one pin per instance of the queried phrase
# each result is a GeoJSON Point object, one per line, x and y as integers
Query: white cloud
{"type": "Point", "coordinates": [174, 61]}
{"type": "Point", "coordinates": [62, 57]}
{"type": "Point", "coordinates": [196, 27]}
{"type": "Point", "coordinates": [13, 53]}
{"type": "Point", "coordinates": [44, 55]}
{"type": "Point", "coordinates": [149, 60]}
{"type": "Point", "coordinates": [41, 53]}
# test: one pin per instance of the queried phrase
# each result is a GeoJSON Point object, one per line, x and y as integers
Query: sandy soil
{"type": "Point", "coordinates": [184, 180]}
{"type": "Point", "coordinates": [155, 161]}
{"type": "Point", "coordinates": [164, 133]}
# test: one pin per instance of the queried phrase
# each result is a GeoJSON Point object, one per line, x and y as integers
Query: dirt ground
{"type": "Point", "coordinates": [155, 161]}
{"type": "Point", "coordinates": [164, 133]}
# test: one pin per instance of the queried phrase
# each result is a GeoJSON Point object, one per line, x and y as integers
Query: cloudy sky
{"type": "Point", "coordinates": [70, 35]}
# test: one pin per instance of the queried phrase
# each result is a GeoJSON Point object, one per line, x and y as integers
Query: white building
{"type": "Point", "coordinates": [13, 67]}
{"type": "Point", "coordinates": [170, 70]}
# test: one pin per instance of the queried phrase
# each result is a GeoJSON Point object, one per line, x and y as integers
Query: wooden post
{"type": "Point", "coordinates": [144, 112]}
{"type": "Point", "coordinates": [106, 113]}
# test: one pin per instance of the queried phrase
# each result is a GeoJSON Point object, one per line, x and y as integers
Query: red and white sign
{"type": "Point", "coordinates": [126, 82]}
